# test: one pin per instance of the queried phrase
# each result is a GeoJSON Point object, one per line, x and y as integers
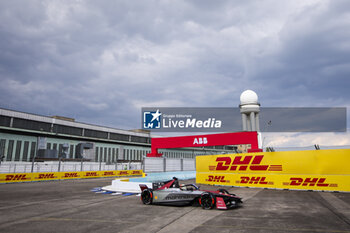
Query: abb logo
{"type": "Point", "coordinates": [70, 175]}
{"type": "Point", "coordinates": [123, 173]}
{"type": "Point", "coordinates": [220, 179]}
{"type": "Point", "coordinates": [297, 181]}
{"type": "Point", "coordinates": [253, 180]}
{"type": "Point", "coordinates": [108, 173]}
{"type": "Point", "coordinates": [91, 174]}
{"type": "Point", "coordinates": [136, 172]}
{"type": "Point", "coordinates": [46, 176]}
{"type": "Point", "coordinates": [242, 163]}
{"type": "Point", "coordinates": [16, 177]}
{"type": "Point", "coordinates": [200, 141]}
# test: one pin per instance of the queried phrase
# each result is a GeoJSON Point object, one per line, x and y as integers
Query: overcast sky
{"type": "Point", "coordinates": [101, 61]}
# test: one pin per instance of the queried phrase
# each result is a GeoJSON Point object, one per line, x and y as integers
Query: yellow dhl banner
{"type": "Point", "coordinates": [40, 176]}
{"type": "Point", "coordinates": [305, 182]}
{"type": "Point", "coordinates": [310, 170]}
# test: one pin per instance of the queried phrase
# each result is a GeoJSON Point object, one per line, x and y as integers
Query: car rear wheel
{"type": "Point", "coordinates": [147, 197]}
{"type": "Point", "coordinates": [207, 201]}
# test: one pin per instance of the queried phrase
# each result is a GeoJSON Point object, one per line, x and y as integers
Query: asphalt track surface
{"type": "Point", "coordinates": [70, 206]}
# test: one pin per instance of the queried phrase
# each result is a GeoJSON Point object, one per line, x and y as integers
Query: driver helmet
{"type": "Point", "coordinates": [182, 186]}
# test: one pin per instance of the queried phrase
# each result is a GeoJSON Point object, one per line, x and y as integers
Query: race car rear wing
{"type": "Point", "coordinates": [155, 186]}
{"type": "Point", "coordinates": [174, 183]}
{"type": "Point", "coordinates": [143, 187]}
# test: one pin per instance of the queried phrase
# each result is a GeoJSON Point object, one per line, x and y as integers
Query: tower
{"type": "Point", "coordinates": [250, 109]}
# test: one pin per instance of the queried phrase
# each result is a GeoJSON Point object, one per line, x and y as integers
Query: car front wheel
{"type": "Point", "coordinates": [207, 201]}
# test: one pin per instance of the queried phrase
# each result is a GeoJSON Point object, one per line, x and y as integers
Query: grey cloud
{"type": "Point", "coordinates": [101, 61]}
{"type": "Point", "coordinates": [303, 72]}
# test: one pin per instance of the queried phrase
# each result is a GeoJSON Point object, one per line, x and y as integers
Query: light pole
{"type": "Point", "coordinates": [1, 158]}
{"type": "Point", "coordinates": [269, 123]}
{"type": "Point", "coordinates": [82, 159]}
{"type": "Point", "coordinates": [1, 153]}
{"type": "Point", "coordinates": [65, 147]}
{"type": "Point", "coordinates": [59, 163]}
{"type": "Point", "coordinates": [100, 157]}
{"type": "Point", "coordinates": [35, 154]}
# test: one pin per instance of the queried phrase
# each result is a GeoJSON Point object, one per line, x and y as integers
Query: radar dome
{"type": "Point", "coordinates": [249, 97]}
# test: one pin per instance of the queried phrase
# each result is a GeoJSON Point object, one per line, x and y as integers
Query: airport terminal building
{"type": "Point", "coordinates": [24, 136]}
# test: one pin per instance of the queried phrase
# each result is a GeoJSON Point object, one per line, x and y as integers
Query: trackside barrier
{"type": "Point", "coordinates": [168, 164]}
{"type": "Point", "coordinates": [40, 176]}
{"type": "Point", "coordinates": [326, 170]}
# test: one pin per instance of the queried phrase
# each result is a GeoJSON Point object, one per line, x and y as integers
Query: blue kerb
{"type": "Point", "coordinates": [96, 189]}
{"type": "Point", "coordinates": [107, 192]}
{"type": "Point", "coordinates": [129, 194]}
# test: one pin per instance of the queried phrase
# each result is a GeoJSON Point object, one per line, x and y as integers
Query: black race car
{"type": "Point", "coordinates": [171, 193]}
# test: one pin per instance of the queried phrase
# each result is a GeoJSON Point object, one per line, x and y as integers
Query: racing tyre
{"type": "Point", "coordinates": [147, 197]}
{"type": "Point", "coordinates": [207, 201]}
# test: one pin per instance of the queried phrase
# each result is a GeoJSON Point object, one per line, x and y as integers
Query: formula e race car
{"type": "Point", "coordinates": [171, 193]}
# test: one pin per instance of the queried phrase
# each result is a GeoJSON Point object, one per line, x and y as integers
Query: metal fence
{"type": "Point", "coordinates": [168, 165]}
{"type": "Point", "coordinates": [18, 167]}
{"type": "Point", "coordinates": [147, 165]}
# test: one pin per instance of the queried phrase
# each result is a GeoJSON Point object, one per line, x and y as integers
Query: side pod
{"type": "Point", "coordinates": [220, 203]}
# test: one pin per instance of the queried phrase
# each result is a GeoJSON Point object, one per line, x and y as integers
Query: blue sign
{"type": "Point", "coordinates": [152, 120]}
